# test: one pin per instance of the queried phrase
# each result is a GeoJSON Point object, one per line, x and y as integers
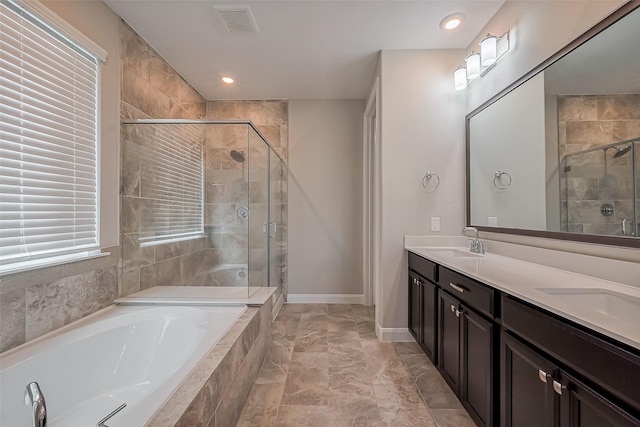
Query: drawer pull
{"type": "Point", "coordinates": [557, 387]}
{"type": "Point", "coordinates": [542, 375]}
{"type": "Point", "coordinates": [456, 287]}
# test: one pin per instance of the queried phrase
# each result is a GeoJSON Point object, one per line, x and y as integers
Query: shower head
{"type": "Point", "coordinates": [621, 151]}
{"type": "Point", "coordinates": [237, 155]}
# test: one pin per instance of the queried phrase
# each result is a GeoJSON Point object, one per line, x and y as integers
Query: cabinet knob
{"type": "Point", "coordinates": [458, 312]}
{"type": "Point", "coordinates": [543, 375]}
{"type": "Point", "coordinates": [558, 388]}
{"type": "Point", "coordinates": [453, 308]}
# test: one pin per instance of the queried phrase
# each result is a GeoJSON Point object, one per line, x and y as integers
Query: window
{"type": "Point", "coordinates": [49, 85]}
{"type": "Point", "coordinates": [172, 158]}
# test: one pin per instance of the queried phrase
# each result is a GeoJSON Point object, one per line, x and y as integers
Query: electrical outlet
{"type": "Point", "coordinates": [435, 223]}
{"type": "Point", "coordinates": [493, 221]}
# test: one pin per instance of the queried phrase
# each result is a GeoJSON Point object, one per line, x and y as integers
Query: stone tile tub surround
{"type": "Point", "coordinates": [214, 393]}
{"type": "Point", "coordinates": [36, 302]}
{"type": "Point", "coordinates": [523, 279]}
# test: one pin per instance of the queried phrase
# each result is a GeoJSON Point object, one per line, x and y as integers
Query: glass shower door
{"type": "Point", "coordinates": [258, 211]}
{"type": "Point", "coordinates": [275, 219]}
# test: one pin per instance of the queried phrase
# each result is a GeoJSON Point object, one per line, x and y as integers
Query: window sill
{"type": "Point", "coordinates": [50, 262]}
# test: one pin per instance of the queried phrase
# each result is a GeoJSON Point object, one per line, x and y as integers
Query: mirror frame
{"type": "Point", "coordinates": [607, 22]}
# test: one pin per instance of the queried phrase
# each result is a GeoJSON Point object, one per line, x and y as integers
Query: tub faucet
{"type": "Point", "coordinates": [476, 245]}
{"type": "Point", "coordinates": [33, 396]}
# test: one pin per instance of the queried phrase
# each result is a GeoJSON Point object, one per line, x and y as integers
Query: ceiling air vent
{"type": "Point", "coordinates": [238, 19]}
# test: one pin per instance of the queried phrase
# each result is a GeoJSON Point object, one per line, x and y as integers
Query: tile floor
{"type": "Point", "coordinates": [327, 368]}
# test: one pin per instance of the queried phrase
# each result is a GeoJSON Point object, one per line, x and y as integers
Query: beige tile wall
{"type": "Point", "coordinates": [588, 121]}
{"type": "Point", "coordinates": [151, 88]}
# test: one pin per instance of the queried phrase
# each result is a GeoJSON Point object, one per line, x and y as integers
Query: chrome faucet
{"type": "Point", "coordinates": [476, 245]}
{"type": "Point", "coordinates": [34, 397]}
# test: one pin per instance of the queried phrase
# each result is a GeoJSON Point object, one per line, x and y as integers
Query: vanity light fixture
{"type": "Point", "coordinates": [460, 78]}
{"type": "Point", "coordinates": [492, 48]}
{"type": "Point", "coordinates": [489, 50]}
{"type": "Point", "coordinates": [473, 65]}
{"type": "Point", "coordinates": [228, 80]}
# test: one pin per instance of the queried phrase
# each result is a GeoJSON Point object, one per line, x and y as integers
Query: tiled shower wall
{"type": "Point", "coordinates": [588, 121]}
{"type": "Point", "coordinates": [151, 88]}
{"type": "Point", "coordinates": [225, 177]}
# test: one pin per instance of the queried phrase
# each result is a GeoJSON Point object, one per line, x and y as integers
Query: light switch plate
{"type": "Point", "coordinates": [493, 221]}
{"type": "Point", "coordinates": [435, 223]}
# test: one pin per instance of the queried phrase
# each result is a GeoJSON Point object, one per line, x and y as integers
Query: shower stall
{"type": "Point", "coordinates": [601, 190]}
{"type": "Point", "coordinates": [202, 205]}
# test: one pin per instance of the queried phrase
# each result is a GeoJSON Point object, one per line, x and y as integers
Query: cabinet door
{"type": "Point", "coordinates": [583, 407]}
{"type": "Point", "coordinates": [429, 312]}
{"type": "Point", "coordinates": [477, 367]}
{"type": "Point", "coordinates": [415, 301]}
{"type": "Point", "coordinates": [526, 390]}
{"type": "Point", "coordinates": [449, 340]}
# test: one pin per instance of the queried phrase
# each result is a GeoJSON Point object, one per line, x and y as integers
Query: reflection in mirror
{"type": "Point", "coordinates": [561, 151]}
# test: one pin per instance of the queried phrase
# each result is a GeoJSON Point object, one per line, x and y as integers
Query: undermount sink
{"type": "Point", "coordinates": [613, 304]}
{"type": "Point", "coordinates": [456, 253]}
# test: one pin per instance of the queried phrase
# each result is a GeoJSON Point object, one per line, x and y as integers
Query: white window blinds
{"type": "Point", "coordinates": [48, 143]}
{"type": "Point", "coordinates": [172, 183]}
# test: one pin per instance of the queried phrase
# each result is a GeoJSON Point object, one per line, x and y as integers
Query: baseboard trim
{"type": "Point", "coordinates": [325, 298]}
{"type": "Point", "coordinates": [393, 334]}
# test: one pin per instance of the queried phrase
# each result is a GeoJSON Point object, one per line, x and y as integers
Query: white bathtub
{"type": "Point", "coordinates": [122, 354]}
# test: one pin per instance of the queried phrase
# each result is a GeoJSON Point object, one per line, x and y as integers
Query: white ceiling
{"type": "Point", "coordinates": [305, 49]}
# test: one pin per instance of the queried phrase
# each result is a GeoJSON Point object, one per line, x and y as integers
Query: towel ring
{"type": "Point", "coordinates": [427, 178]}
{"type": "Point", "coordinates": [498, 178]}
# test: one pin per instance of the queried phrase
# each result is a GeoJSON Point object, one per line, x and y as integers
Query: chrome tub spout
{"type": "Point", "coordinates": [34, 397]}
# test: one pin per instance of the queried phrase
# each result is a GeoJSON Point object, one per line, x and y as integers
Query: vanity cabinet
{"type": "Point", "coordinates": [565, 375]}
{"type": "Point", "coordinates": [466, 359]}
{"type": "Point", "coordinates": [514, 364]}
{"type": "Point", "coordinates": [422, 304]}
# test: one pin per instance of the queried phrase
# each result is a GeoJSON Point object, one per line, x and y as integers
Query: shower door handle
{"type": "Point", "coordinates": [624, 228]}
{"type": "Point", "coordinates": [275, 230]}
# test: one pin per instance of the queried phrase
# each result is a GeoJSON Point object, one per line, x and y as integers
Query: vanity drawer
{"type": "Point", "coordinates": [424, 267]}
{"type": "Point", "coordinates": [477, 295]}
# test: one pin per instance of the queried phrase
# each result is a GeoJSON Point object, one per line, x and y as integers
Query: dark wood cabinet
{"type": "Point", "coordinates": [422, 305]}
{"type": "Point", "coordinates": [466, 360]}
{"type": "Point", "coordinates": [514, 364]}
{"type": "Point", "coordinates": [477, 366]}
{"type": "Point", "coordinates": [537, 393]}
{"type": "Point", "coordinates": [415, 301]}
{"type": "Point", "coordinates": [429, 319]}
{"type": "Point", "coordinates": [449, 340]}
{"type": "Point", "coordinates": [581, 406]}
{"type": "Point", "coordinates": [527, 400]}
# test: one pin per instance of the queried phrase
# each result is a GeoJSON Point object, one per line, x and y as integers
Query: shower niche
{"type": "Point", "coordinates": [202, 205]}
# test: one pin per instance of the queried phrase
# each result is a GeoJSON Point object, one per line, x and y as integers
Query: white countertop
{"type": "Point", "coordinates": [546, 287]}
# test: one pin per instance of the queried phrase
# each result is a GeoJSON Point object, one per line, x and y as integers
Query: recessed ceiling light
{"type": "Point", "coordinates": [227, 80]}
{"type": "Point", "coordinates": [451, 22]}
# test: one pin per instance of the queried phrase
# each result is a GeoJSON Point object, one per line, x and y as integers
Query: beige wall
{"type": "Point", "coordinates": [325, 196]}
{"type": "Point", "coordinates": [422, 130]}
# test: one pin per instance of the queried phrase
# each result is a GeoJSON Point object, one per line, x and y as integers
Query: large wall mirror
{"type": "Point", "coordinates": [558, 153]}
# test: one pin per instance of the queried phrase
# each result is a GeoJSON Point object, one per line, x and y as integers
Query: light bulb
{"type": "Point", "coordinates": [489, 50]}
{"type": "Point", "coordinates": [460, 78]}
{"type": "Point", "coordinates": [473, 65]}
